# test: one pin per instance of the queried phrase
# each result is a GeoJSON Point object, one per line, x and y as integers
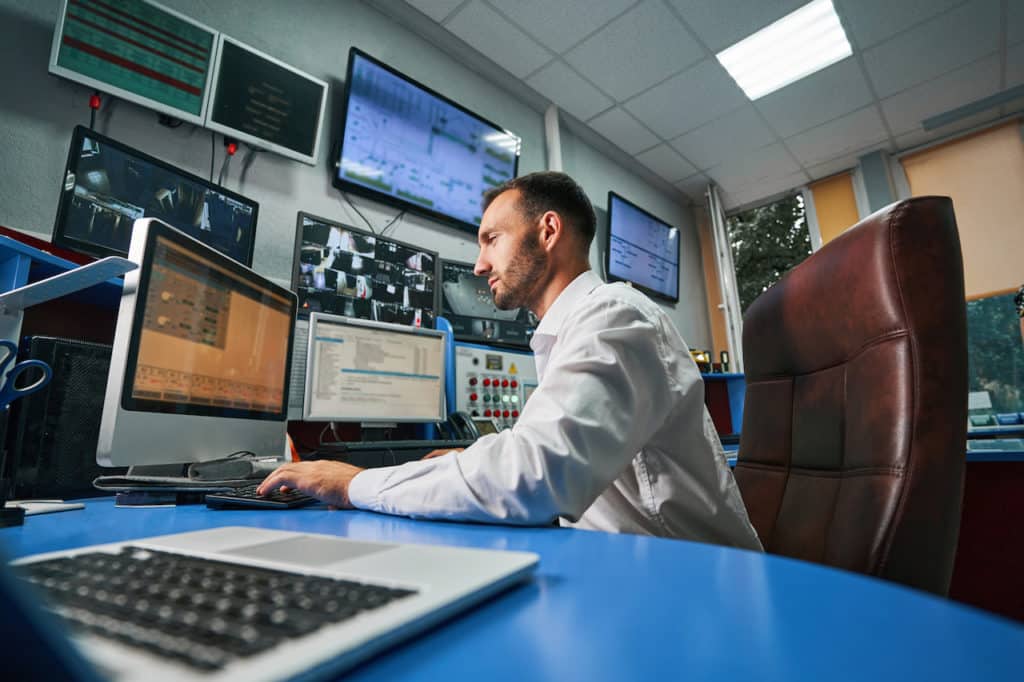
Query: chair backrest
{"type": "Point", "coordinates": [855, 417]}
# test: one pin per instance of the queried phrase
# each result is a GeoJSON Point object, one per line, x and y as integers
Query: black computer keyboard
{"type": "Point", "coordinates": [202, 612]}
{"type": "Point", "coordinates": [380, 453]}
{"type": "Point", "coordinates": [247, 496]}
{"type": "Point", "coordinates": [428, 445]}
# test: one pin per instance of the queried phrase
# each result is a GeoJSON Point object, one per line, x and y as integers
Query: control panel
{"type": "Point", "coordinates": [490, 382]}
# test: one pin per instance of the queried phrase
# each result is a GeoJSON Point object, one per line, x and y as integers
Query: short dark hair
{"type": "Point", "coordinates": [551, 191]}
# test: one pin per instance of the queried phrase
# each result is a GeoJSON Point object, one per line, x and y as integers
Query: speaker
{"type": "Point", "coordinates": [54, 431]}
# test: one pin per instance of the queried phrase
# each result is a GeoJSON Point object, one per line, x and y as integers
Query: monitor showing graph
{"type": "Point", "coordinates": [404, 144]}
{"type": "Point", "coordinates": [138, 51]}
{"type": "Point", "coordinates": [642, 249]}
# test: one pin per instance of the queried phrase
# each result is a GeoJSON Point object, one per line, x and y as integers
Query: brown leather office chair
{"type": "Point", "coordinates": [855, 417]}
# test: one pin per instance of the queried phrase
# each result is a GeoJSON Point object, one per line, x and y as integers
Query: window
{"type": "Point", "coordinates": [767, 242]}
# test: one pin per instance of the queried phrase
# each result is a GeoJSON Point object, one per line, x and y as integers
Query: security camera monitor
{"type": "Point", "coordinates": [342, 270]}
{"type": "Point", "coordinates": [467, 303]}
{"type": "Point", "coordinates": [108, 186]}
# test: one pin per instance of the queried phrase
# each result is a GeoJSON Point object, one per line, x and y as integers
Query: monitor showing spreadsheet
{"type": "Point", "coordinates": [365, 371]}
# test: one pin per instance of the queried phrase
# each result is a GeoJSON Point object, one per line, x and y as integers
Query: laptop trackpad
{"type": "Point", "coordinates": [309, 551]}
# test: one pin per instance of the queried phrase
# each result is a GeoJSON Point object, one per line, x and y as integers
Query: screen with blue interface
{"type": "Point", "coordinates": [642, 249]}
{"type": "Point", "coordinates": [404, 144]}
{"type": "Point", "coordinates": [108, 186]}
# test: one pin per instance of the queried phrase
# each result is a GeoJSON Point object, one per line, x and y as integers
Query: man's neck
{"type": "Point", "coordinates": [556, 286]}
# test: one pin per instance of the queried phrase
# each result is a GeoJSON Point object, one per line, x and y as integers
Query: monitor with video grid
{"type": "Point", "coordinates": [373, 372]}
{"type": "Point", "coordinates": [200, 358]}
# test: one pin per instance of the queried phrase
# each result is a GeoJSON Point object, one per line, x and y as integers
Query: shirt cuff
{"type": "Point", "coordinates": [365, 486]}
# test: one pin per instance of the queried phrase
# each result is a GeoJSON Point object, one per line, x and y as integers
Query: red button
{"type": "Point", "coordinates": [472, 381]}
{"type": "Point", "coordinates": [487, 382]}
{"type": "Point", "coordinates": [515, 413]}
{"type": "Point", "coordinates": [487, 413]}
{"type": "Point", "coordinates": [515, 383]}
{"type": "Point", "coordinates": [505, 414]}
{"type": "Point", "coordinates": [472, 397]}
{"type": "Point", "coordinates": [504, 383]}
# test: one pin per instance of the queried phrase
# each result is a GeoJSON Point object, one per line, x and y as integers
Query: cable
{"type": "Point", "coordinates": [94, 106]}
{"type": "Point", "coordinates": [246, 163]}
{"type": "Point", "coordinates": [213, 151]}
{"type": "Point", "coordinates": [394, 220]}
{"type": "Point", "coordinates": [360, 213]}
{"type": "Point", "coordinates": [224, 169]}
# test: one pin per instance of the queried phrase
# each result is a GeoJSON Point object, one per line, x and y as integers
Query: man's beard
{"type": "Point", "coordinates": [522, 276]}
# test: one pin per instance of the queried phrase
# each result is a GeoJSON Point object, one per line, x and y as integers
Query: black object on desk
{"type": "Point", "coordinates": [246, 496]}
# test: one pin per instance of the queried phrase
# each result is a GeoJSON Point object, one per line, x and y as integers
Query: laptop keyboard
{"type": "Point", "coordinates": [202, 612]}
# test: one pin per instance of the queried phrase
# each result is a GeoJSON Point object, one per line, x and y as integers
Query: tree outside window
{"type": "Point", "coordinates": [767, 242]}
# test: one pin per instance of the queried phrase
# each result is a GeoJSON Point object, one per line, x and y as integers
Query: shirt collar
{"type": "Point", "coordinates": [566, 301]}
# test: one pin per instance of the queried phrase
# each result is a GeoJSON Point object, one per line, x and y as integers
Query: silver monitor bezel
{"type": "Point", "coordinates": [314, 321]}
{"type": "Point", "coordinates": [141, 437]}
{"type": "Point", "coordinates": [128, 95]}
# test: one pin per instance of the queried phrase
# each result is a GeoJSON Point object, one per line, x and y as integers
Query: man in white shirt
{"type": "Point", "coordinates": [615, 437]}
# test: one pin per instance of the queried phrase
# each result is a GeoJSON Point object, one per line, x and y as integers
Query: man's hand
{"type": "Point", "coordinates": [326, 481]}
{"type": "Point", "coordinates": [443, 451]}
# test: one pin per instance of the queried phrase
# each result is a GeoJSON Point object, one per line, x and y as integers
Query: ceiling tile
{"type": "Point", "coordinates": [721, 23]}
{"type": "Point", "coordinates": [666, 162]}
{"type": "Point", "coordinates": [905, 111]}
{"type": "Point", "coordinates": [1015, 65]}
{"type": "Point", "coordinates": [497, 38]}
{"type": "Point", "coordinates": [841, 136]}
{"type": "Point", "coordinates": [642, 47]}
{"type": "Point", "coordinates": [624, 130]}
{"type": "Point", "coordinates": [837, 165]}
{"type": "Point", "coordinates": [770, 187]}
{"type": "Point", "coordinates": [568, 90]}
{"type": "Point", "coordinates": [435, 9]}
{"type": "Point", "coordinates": [822, 96]}
{"type": "Point", "coordinates": [937, 46]}
{"type": "Point", "coordinates": [869, 22]}
{"type": "Point", "coordinates": [1014, 22]}
{"type": "Point", "coordinates": [688, 100]}
{"type": "Point", "coordinates": [694, 186]}
{"type": "Point", "coordinates": [724, 138]}
{"type": "Point", "coordinates": [754, 167]}
{"type": "Point", "coordinates": [560, 25]}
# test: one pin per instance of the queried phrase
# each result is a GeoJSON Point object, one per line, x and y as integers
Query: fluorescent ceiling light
{"type": "Point", "coordinates": [792, 48]}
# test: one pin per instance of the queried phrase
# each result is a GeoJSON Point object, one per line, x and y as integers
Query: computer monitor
{"type": "Point", "coordinates": [467, 304]}
{"type": "Point", "coordinates": [342, 270]}
{"type": "Point", "coordinates": [138, 51]}
{"type": "Point", "coordinates": [265, 102]}
{"type": "Point", "coordinates": [108, 186]}
{"type": "Point", "coordinates": [363, 371]}
{"type": "Point", "coordinates": [406, 145]}
{"type": "Point", "coordinates": [642, 249]}
{"type": "Point", "coordinates": [201, 356]}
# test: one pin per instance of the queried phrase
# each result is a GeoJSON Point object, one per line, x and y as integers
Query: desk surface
{"type": "Point", "coordinates": [625, 607]}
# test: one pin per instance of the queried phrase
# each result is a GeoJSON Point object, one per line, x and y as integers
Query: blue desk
{"type": "Point", "coordinates": [621, 607]}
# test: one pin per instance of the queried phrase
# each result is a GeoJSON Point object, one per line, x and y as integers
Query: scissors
{"type": "Point", "coordinates": [9, 390]}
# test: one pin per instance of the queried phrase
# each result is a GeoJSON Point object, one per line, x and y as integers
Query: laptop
{"type": "Point", "coordinates": [235, 603]}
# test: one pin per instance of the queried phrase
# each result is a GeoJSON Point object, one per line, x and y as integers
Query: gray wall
{"type": "Point", "coordinates": [38, 111]}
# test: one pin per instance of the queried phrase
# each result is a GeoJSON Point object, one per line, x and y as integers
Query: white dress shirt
{"type": "Point", "coordinates": [615, 437]}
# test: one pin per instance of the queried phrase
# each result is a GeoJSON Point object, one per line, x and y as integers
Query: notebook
{"type": "Point", "coordinates": [235, 603]}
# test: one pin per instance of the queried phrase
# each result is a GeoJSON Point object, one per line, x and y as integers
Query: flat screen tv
{"type": "Point", "coordinates": [406, 145]}
{"type": "Point", "coordinates": [467, 304]}
{"type": "Point", "coordinates": [136, 50]}
{"type": "Point", "coordinates": [346, 271]}
{"type": "Point", "coordinates": [642, 249]}
{"type": "Point", "coordinates": [265, 102]}
{"type": "Point", "coordinates": [107, 186]}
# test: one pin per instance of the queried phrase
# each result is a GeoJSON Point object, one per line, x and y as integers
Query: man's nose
{"type": "Point", "coordinates": [481, 267]}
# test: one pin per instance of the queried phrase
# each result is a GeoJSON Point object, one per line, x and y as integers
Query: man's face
{"type": "Point", "coordinates": [511, 256]}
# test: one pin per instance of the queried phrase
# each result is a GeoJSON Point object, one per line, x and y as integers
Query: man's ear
{"type": "Point", "coordinates": [551, 230]}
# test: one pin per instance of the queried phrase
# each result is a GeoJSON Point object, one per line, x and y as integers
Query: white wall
{"type": "Point", "coordinates": [38, 112]}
